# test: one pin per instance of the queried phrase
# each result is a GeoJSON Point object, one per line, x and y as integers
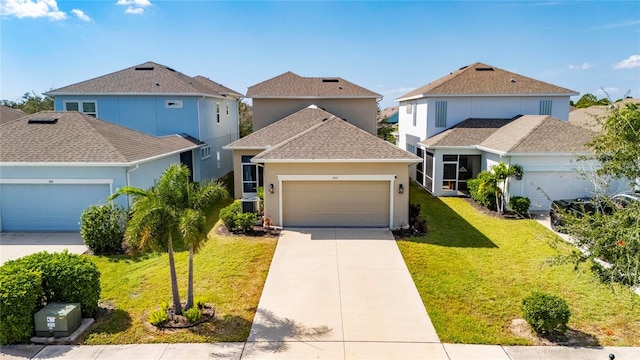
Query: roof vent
{"type": "Point", "coordinates": [512, 80]}
{"type": "Point", "coordinates": [484, 69]}
{"type": "Point", "coordinates": [330, 80]}
{"type": "Point", "coordinates": [464, 67]}
{"type": "Point", "coordinates": [168, 68]}
{"type": "Point", "coordinates": [144, 68]}
{"type": "Point", "coordinates": [157, 83]}
{"type": "Point", "coordinates": [42, 121]}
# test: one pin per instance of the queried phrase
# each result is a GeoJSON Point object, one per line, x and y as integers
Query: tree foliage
{"type": "Point", "coordinates": [588, 100]}
{"type": "Point", "coordinates": [30, 103]}
{"type": "Point", "coordinates": [494, 183]}
{"type": "Point", "coordinates": [246, 118]}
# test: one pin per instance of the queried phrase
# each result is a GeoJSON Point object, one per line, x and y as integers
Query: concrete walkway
{"type": "Point", "coordinates": [14, 245]}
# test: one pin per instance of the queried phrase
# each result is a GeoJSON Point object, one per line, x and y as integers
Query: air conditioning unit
{"type": "Point", "coordinates": [251, 205]}
{"type": "Point", "coordinates": [57, 319]}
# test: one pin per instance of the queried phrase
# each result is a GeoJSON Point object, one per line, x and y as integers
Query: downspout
{"type": "Point", "coordinates": [193, 158]}
{"type": "Point", "coordinates": [129, 180]}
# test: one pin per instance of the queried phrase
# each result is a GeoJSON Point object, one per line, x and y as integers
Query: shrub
{"type": "Point", "coordinates": [193, 314]}
{"type": "Point", "coordinates": [519, 204]}
{"type": "Point", "coordinates": [479, 190]}
{"type": "Point", "coordinates": [157, 317]}
{"type": "Point", "coordinates": [246, 221]}
{"type": "Point", "coordinates": [546, 313]}
{"type": "Point", "coordinates": [20, 297]}
{"type": "Point", "coordinates": [65, 278]}
{"type": "Point", "coordinates": [102, 228]}
{"type": "Point", "coordinates": [228, 214]}
{"type": "Point", "coordinates": [200, 303]}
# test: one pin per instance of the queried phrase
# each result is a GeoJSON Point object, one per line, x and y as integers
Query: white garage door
{"type": "Point", "coordinates": [47, 207]}
{"type": "Point", "coordinates": [336, 203]}
{"type": "Point", "coordinates": [543, 186]}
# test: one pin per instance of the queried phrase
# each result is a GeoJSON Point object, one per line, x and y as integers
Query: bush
{"type": "Point", "coordinates": [228, 214]}
{"type": "Point", "coordinates": [246, 221]}
{"type": "Point", "coordinates": [102, 228]}
{"type": "Point", "coordinates": [478, 192]}
{"type": "Point", "coordinates": [65, 278]}
{"type": "Point", "coordinates": [20, 297]}
{"type": "Point", "coordinates": [519, 204]}
{"type": "Point", "coordinates": [546, 313]}
{"type": "Point", "coordinates": [157, 317]}
{"type": "Point", "coordinates": [193, 314]}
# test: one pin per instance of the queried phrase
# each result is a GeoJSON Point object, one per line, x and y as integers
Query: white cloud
{"type": "Point", "coordinates": [135, 7]}
{"type": "Point", "coordinates": [584, 66]}
{"type": "Point", "coordinates": [81, 15]}
{"type": "Point", "coordinates": [617, 25]}
{"type": "Point", "coordinates": [32, 9]}
{"type": "Point", "coordinates": [632, 62]}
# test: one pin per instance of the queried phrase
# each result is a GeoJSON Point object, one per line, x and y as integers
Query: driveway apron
{"type": "Point", "coordinates": [335, 285]}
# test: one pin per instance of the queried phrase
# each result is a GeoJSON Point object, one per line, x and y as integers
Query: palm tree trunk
{"type": "Point", "coordinates": [174, 281]}
{"type": "Point", "coordinates": [189, 304]}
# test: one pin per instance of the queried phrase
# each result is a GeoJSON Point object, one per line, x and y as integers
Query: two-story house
{"type": "Point", "coordinates": [480, 115]}
{"type": "Point", "coordinates": [158, 100]}
{"type": "Point", "coordinates": [315, 153]}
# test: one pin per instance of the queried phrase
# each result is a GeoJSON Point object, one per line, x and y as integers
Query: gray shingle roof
{"type": "Point", "coordinates": [525, 134]}
{"type": "Point", "coordinates": [282, 130]}
{"type": "Point", "coordinates": [79, 138]}
{"type": "Point", "coordinates": [335, 140]}
{"type": "Point", "coordinates": [147, 78]}
{"type": "Point", "coordinates": [482, 79]}
{"type": "Point", "coordinates": [290, 85]}
{"type": "Point", "coordinates": [9, 114]}
{"type": "Point", "coordinates": [590, 117]}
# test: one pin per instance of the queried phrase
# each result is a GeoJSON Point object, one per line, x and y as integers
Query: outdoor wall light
{"type": "Point", "coordinates": [400, 189]}
{"type": "Point", "coordinates": [271, 188]}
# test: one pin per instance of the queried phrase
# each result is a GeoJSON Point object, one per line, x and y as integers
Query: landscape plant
{"type": "Point", "coordinates": [520, 205]}
{"type": "Point", "coordinates": [102, 228]}
{"type": "Point", "coordinates": [546, 313]}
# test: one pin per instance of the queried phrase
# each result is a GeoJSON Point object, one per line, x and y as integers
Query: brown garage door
{"type": "Point", "coordinates": [336, 203]}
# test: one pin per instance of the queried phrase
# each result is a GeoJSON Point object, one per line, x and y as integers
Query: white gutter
{"type": "Point", "coordinates": [420, 96]}
{"type": "Point", "coordinates": [229, 147]}
{"type": "Point", "coordinates": [315, 97]}
{"type": "Point", "coordinates": [410, 161]}
{"type": "Point", "coordinates": [222, 96]}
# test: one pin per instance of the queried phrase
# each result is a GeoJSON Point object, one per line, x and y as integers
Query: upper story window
{"type": "Point", "coordinates": [173, 104]}
{"type": "Point", "coordinates": [409, 108]}
{"type": "Point", "coordinates": [441, 113]}
{"type": "Point", "coordinates": [218, 113]}
{"type": "Point", "coordinates": [411, 148]}
{"type": "Point", "coordinates": [227, 105]}
{"type": "Point", "coordinates": [205, 152]}
{"type": "Point", "coordinates": [545, 107]}
{"type": "Point", "coordinates": [89, 107]}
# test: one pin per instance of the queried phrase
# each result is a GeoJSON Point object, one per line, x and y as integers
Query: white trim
{"type": "Point", "coordinates": [420, 96]}
{"type": "Point", "coordinates": [411, 161]}
{"type": "Point", "coordinates": [222, 96]}
{"type": "Point", "coordinates": [317, 97]}
{"type": "Point", "coordinates": [80, 108]}
{"type": "Point", "coordinates": [60, 182]}
{"type": "Point", "coordinates": [390, 178]}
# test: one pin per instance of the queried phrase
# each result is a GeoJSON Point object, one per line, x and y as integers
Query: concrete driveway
{"type": "Point", "coordinates": [14, 245]}
{"type": "Point", "coordinates": [340, 293]}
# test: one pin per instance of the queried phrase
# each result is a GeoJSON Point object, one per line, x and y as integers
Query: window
{"type": "Point", "coordinates": [85, 107]}
{"type": "Point", "coordinates": [545, 107]}
{"type": "Point", "coordinates": [218, 158]}
{"type": "Point", "coordinates": [173, 104]}
{"type": "Point", "coordinates": [218, 113]}
{"type": "Point", "coordinates": [409, 108]}
{"type": "Point", "coordinates": [411, 148]}
{"type": "Point", "coordinates": [428, 171]}
{"type": "Point", "coordinates": [227, 105]}
{"type": "Point", "coordinates": [414, 111]}
{"type": "Point", "coordinates": [252, 175]}
{"type": "Point", "coordinates": [457, 169]}
{"type": "Point", "coordinates": [441, 113]}
{"type": "Point", "coordinates": [205, 152]}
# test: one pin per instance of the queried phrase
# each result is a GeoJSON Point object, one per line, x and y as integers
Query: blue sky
{"type": "Point", "coordinates": [387, 47]}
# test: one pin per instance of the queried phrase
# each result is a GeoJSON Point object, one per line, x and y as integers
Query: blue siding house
{"type": "Point", "coordinates": [158, 100]}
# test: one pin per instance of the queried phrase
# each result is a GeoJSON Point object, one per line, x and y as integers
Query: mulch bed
{"type": "Point", "coordinates": [257, 231]}
{"type": "Point", "coordinates": [489, 212]}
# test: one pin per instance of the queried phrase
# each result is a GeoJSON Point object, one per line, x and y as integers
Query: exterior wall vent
{"type": "Point", "coordinates": [173, 104]}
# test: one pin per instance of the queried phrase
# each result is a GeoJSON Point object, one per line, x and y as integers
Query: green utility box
{"type": "Point", "coordinates": [57, 319]}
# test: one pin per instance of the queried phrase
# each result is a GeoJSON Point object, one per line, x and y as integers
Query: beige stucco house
{"type": "Point", "coordinates": [320, 170]}
{"type": "Point", "coordinates": [287, 93]}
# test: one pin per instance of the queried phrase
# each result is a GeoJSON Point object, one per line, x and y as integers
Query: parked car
{"type": "Point", "coordinates": [587, 206]}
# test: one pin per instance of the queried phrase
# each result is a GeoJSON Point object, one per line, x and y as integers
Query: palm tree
{"type": "Point", "coordinates": [501, 174]}
{"type": "Point", "coordinates": [172, 209]}
{"type": "Point", "coordinates": [193, 222]}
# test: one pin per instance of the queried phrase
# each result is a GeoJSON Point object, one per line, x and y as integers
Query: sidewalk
{"type": "Point", "coordinates": [295, 350]}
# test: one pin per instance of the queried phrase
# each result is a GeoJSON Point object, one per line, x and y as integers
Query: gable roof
{"type": "Point", "coordinates": [290, 85]}
{"type": "Point", "coordinates": [282, 130]}
{"type": "Point", "coordinates": [523, 134]}
{"type": "Point", "coordinates": [73, 137]}
{"type": "Point", "coordinates": [9, 114]}
{"type": "Point", "coordinates": [482, 79]}
{"type": "Point", "coordinates": [146, 79]}
{"type": "Point", "coordinates": [591, 117]}
{"type": "Point", "coordinates": [335, 140]}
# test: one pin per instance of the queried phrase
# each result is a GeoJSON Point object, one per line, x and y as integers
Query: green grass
{"type": "Point", "coordinates": [473, 270]}
{"type": "Point", "coordinates": [229, 272]}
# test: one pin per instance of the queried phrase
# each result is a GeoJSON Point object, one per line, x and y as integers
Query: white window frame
{"type": "Point", "coordinates": [173, 104]}
{"type": "Point", "coordinates": [205, 152]}
{"type": "Point", "coordinates": [81, 107]}
{"type": "Point", "coordinates": [217, 113]}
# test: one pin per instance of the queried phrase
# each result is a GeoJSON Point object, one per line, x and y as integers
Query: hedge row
{"type": "Point", "coordinates": [29, 283]}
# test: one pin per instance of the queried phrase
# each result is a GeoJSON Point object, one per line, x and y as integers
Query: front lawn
{"type": "Point", "coordinates": [473, 270]}
{"type": "Point", "coordinates": [229, 272]}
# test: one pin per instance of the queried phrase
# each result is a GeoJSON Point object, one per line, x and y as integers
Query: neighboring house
{"type": "Point", "coordinates": [318, 169]}
{"type": "Point", "coordinates": [9, 114]}
{"type": "Point", "coordinates": [389, 115]}
{"type": "Point", "coordinates": [591, 117]}
{"type": "Point", "coordinates": [285, 94]}
{"type": "Point", "coordinates": [158, 100]}
{"type": "Point", "coordinates": [546, 148]}
{"type": "Point", "coordinates": [53, 165]}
